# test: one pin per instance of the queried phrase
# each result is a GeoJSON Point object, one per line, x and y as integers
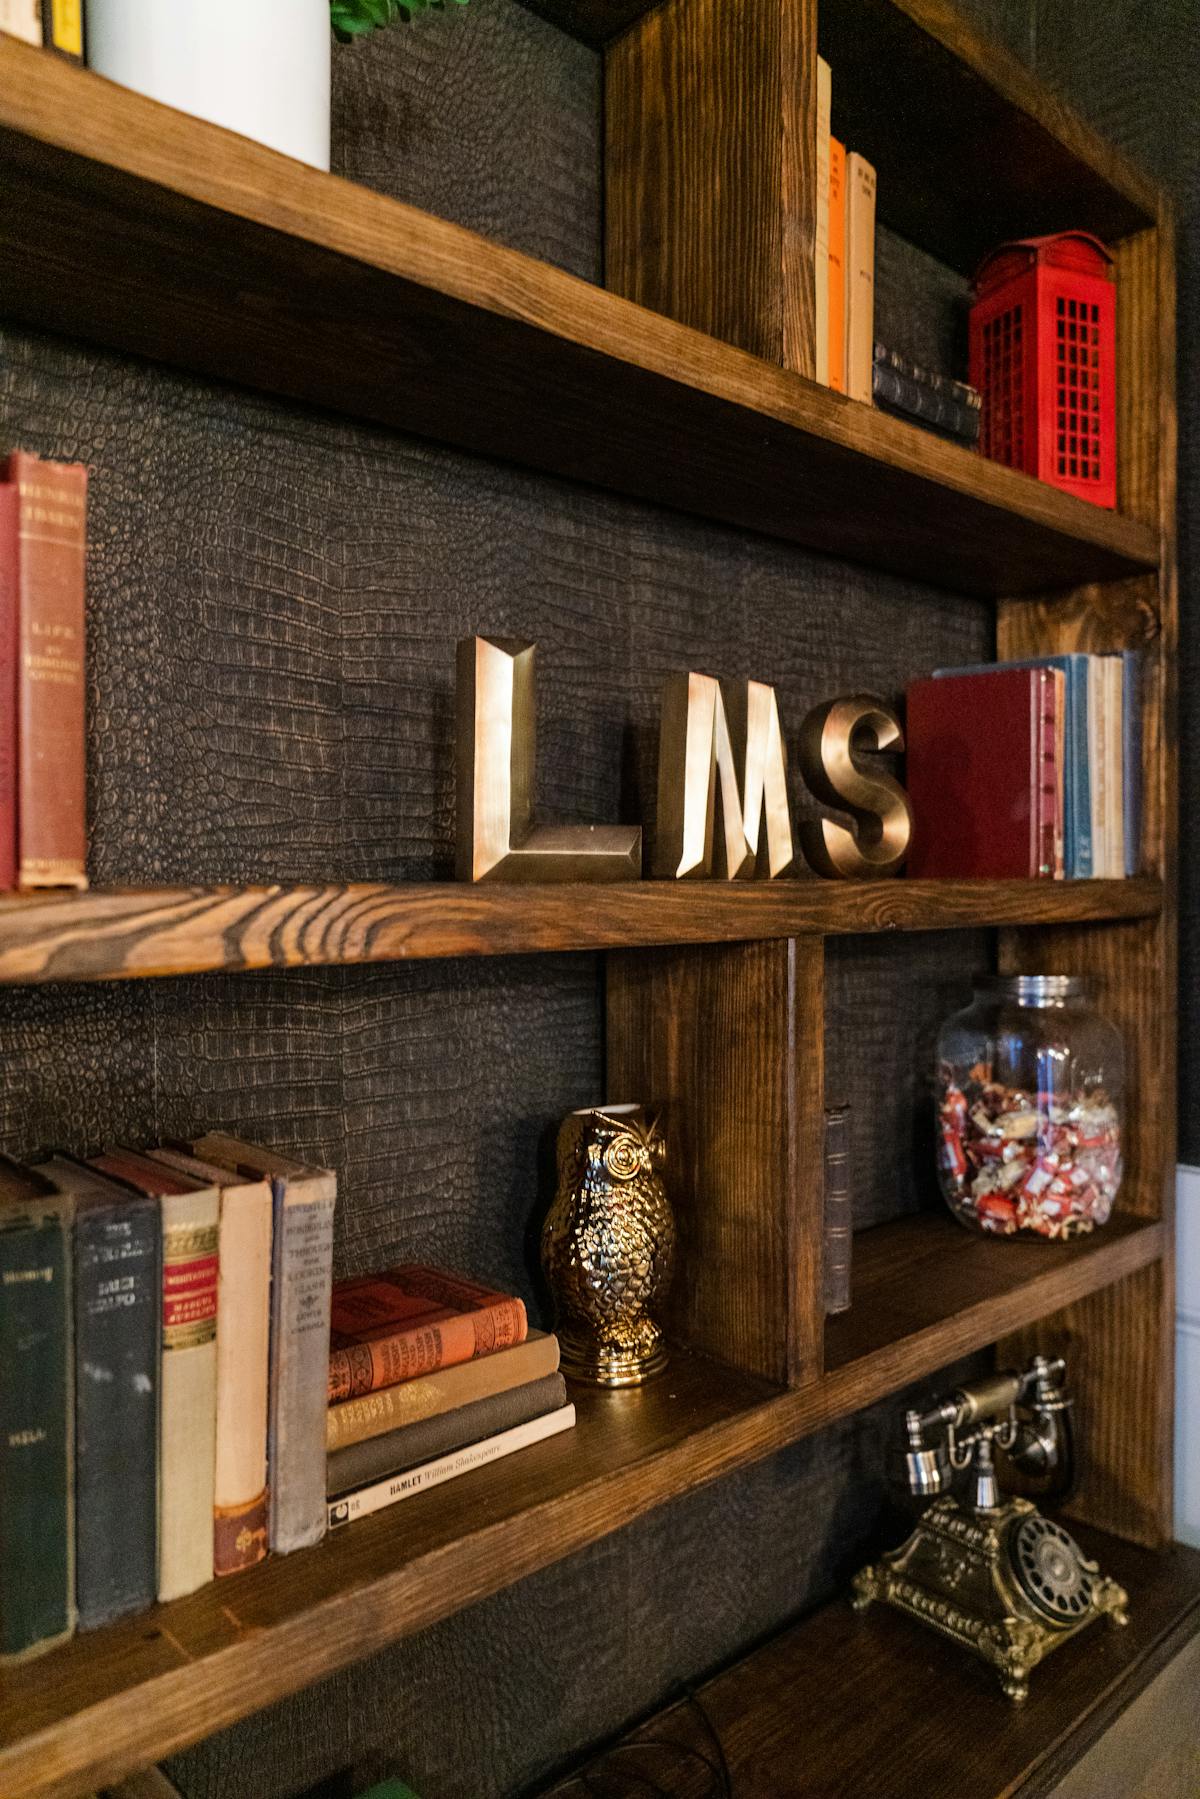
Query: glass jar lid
{"type": "Point", "coordinates": [1035, 989]}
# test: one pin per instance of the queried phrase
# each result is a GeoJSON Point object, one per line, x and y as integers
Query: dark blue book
{"type": "Point", "coordinates": [1078, 857]}
{"type": "Point", "coordinates": [36, 1535]}
{"type": "Point", "coordinates": [117, 1303]}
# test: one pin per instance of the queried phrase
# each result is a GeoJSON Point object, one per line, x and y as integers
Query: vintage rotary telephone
{"type": "Point", "coordinates": [991, 1573]}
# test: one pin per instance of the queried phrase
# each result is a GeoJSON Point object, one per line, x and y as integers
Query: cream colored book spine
{"type": "Point", "coordinates": [23, 19]}
{"type": "Point", "coordinates": [860, 276]}
{"type": "Point", "coordinates": [243, 1350]}
{"type": "Point", "coordinates": [1098, 767]}
{"type": "Point", "coordinates": [188, 1392]}
{"type": "Point", "coordinates": [821, 235]}
{"type": "Point", "coordinates": [1114, 693]}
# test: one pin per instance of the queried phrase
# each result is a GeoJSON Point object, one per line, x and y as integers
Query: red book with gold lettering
{"type": "Point", "coordinates": [8, 688]}
{"type": "Point", "coordinates": [388, 1328]}
{"type": "Point", "coordinates": [984, 775]}
{"type": "Point", "coordinates": [51, 742]}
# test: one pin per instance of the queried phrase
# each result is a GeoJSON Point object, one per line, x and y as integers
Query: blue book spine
{"type": "Point", "coordinates": [1131, 752]}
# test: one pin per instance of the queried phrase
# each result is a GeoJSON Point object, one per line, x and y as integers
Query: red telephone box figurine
{"type": "Point", "coordinates": [1043, 355]}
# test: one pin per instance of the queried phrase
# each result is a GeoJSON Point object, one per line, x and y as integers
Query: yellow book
{"type": "Point", "coordinates": [837, 266]}
{"type": "Point", "coordinates": [821, 264]}
{"type": "Point", "coordinates": [860, 276]}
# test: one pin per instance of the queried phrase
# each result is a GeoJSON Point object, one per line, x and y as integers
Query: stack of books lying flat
{"type": "Point", "coordinates": [430, 1375]}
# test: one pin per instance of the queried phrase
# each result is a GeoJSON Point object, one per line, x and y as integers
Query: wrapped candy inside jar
{"type": "Point", "coordinates": [1029, 1107]}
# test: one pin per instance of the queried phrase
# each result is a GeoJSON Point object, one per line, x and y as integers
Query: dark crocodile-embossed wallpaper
{"type": "Point", "coordinates": [275, 596]}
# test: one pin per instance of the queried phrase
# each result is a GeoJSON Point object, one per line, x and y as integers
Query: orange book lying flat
{"type": "Point", "coordinates": [388, 1328]}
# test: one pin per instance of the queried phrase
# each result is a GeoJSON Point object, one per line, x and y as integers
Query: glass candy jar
{"type": "Point", "coordinates": [1030, 1090]}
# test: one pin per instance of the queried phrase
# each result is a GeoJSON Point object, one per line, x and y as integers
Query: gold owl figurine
{"type": "Point", "coordinates": [608, 1246]}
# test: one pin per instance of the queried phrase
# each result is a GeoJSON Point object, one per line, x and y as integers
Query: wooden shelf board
{"type": "Point", "coordinates": [905, 1713]}
{"type": "Point", "coordinates": [128, 933]}
{"type": "Point", "coordinates": [925, 1290]}
{"type": "Point", "coordinates": [115, 1699]}
{"type": "Point", "coordinates": [970, 148]}
{"type": "Point", "coordinates": [204, 250]}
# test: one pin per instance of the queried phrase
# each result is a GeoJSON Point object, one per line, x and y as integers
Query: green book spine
{"type": "Point", "coordinates": [36, 1526]}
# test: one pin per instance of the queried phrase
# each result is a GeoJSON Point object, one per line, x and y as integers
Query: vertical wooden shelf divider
{"type": "Point", "coordinates": [1120, 1342]}
{"type": "Point", "coordinates": [728, 1038]}
{"type": "Point", "coordinates": [710, 152]}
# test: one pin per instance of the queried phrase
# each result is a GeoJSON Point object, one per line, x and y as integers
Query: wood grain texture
{"type": "Point", "coordinates": [710, 172]}
{"type": "Point", "coordinates": [728, 1041]}
{"type": "Point", "coordinates": [123, 934]}
{"type": "Point", "coordinates": [932, 102]}
{"type": "Point", "coordinates": [114, 1700]}
{"type": "Point", "coordinates": [924, 1280]}
{"type": "Point", "coordinates": [412, 322]}
{"type": "Point", "coordinates": [867, 1734]}
{"type": "Point", "coordinates": [1119, 1348]}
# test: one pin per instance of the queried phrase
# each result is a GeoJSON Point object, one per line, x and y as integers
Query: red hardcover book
{"type": "Point", "coordinates": [51, 745]}
{"type": "Point", "coordinates": [8, 687]}
{"type": "Point", "coordinates": [388, 1328]}
{"type": "Point", "coordinates": [984, 775]}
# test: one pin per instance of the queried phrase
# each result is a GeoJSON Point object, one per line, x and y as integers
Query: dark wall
{"type": "Point", "coordinates": [275, 596]}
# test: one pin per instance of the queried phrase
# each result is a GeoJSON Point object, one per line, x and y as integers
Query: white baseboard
{"type": "Point", "coordinates": [1187, 1355]}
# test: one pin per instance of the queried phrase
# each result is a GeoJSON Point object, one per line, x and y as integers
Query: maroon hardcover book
{"type": "Point", "coordinates": [51, 752]}
{"type": "Point", "coordinates": [8, 687]}
{"type": "Point", "coordinates": [983, 775]}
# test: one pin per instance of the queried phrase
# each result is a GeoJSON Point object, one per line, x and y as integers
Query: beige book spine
{"type": "Point", "coordinates": [1098, 759]}
{"type": "Point", "coordinates": [860, 276]}
{"type": "Point", "coordinates": [23, 19]}
{"type": "Point", "coordinates": [428, 1396]}
{"type": "Point", "coordinates": [1114, 682]}
{"type": "Point", "coordinates": [821, 234]}
{"type": "Point", "coordinates": [243, 1346]}
{"type": "Point", "coordinates": [188, 1392]}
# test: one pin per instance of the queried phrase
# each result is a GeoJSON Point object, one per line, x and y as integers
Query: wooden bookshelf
{"type": "Point", "coordinates": [867, 1736]}
{"type": "Point", "coordinates": [132, 1693]}
{"type": "Point", "coordinates": [140, 229]}
{"type": "Point", "coordinates": [122, 934]}
{"type": "Point", "coordinates": [198, 244]}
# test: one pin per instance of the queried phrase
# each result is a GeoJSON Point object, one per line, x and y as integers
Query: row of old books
{"type": "Point", "coordinates": [43, 745]}
{"type": "Point", "coordinates": [845, 257]}
{"type": "Point", "coordinates": [430, 1375]}
{"type": "Point", "coordinates": [58, 24]}
{"type": "Point", "coordinates": [848, 358]}
{"type": "Point", "coordinates": [1027, 769]}
{"type": "Point", "coordinates": [164, 1340]}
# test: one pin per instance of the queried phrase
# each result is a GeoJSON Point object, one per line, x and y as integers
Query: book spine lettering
{"type": "Point", "coordinates": [376, 1414]}
{"type": "Point", "coordinates": [433, 1474]}
{"type": "Point", "coordinates": [837, 266]}
{"type": "Point", "coordinates": [300, 1360]}
{"type": "Point", "coordinates": [413, 1444]}
{"type": "Point", "coordinates": [243, 1361]}
{"type": "Point", "coordinates": [860, 276]}
{"type": "Point", "coordinates": [188, 1389]}
{"type": "Point", "coordinates": [51, 743]}
{"type": "Point", "coordinates": [367, 1366]}
{"type": "Point", "coordinates": [1043, 811]}
{"type": "Point", "coordinates": [821, 233]}
{"type": "Point", "coordinates": [117, 1354]}
{"type": "Point", "coordinates": [838, 1221]}
{"type": "Point", "coordinates": [9, 554]}
{"type": "Point", "coordinates": [36, 1523]}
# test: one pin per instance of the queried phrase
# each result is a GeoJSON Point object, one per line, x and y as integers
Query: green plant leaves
{"type": "Point", "coordinates": [354, 18]}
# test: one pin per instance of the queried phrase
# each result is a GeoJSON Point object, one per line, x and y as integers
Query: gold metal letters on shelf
{"type": "Point", "coordinates": [497, 838]}
{"type": "Point", "coordinates": [727, 733]}
{"type": "Point", "coordinates": [883, 817]}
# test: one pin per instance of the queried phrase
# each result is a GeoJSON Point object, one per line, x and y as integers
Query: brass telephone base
{"type": "Point", "coordinates": [1007, 1584]}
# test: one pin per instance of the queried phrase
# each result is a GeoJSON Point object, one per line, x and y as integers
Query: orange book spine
{"type": "Point", "coordinates": [366, 1367]}
{"type": "Point", "coordinates": [837, 266]}
{"type": "Point", "coordinates": [51, 744]}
